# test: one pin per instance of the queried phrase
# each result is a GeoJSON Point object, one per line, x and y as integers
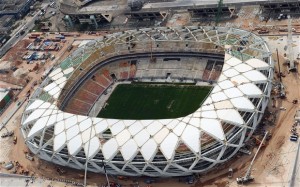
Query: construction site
{"type": "Point", "coordinates": [52, 72]}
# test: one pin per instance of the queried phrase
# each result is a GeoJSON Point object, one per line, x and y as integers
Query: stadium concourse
{"type": "Point", "coordinates": [56, 126]}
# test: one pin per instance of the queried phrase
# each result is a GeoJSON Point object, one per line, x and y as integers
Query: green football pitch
{"type": "Point", "coordinates": [153, 101]}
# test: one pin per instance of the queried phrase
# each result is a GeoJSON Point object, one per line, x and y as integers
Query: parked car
{"type": "Point", "coordinates": [190, 180]}
{"type": "Point", "coordinates": [149, 180]}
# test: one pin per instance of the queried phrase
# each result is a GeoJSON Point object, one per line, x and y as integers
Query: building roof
{"type": "Point", "coordinates": [3, 93]}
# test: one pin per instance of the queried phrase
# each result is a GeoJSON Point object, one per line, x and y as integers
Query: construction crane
{"type": "Point", "coordinates": [220, 4]}
{"type": "Point", "coordinates": [248, 178]}
{"type": "Point", "coordinates": [290, 56]}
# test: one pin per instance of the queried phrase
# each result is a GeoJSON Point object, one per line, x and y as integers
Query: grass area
{"type": "Point", "coordinates": [148, 101]}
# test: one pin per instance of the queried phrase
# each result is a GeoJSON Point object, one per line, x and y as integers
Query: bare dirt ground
{"type": "Point", "coordinates": [178, 20]}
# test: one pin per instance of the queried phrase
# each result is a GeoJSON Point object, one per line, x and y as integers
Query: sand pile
{"type": "Point", "coordinates": [5, 64]}
{"type": "Point", "coordinates": [20, 73]}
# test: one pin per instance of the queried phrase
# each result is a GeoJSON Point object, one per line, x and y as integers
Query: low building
{"type": "Point", "coordinates": [17, 8]}
{"type": "Point", "coordinates": [6, 22]}
{"type": "Point", "coordinates": [5, 98]}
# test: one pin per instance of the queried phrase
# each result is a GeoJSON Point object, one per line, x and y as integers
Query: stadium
{"type": "Point", "coordinates": [232, 69]}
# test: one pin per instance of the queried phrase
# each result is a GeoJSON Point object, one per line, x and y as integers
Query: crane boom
{"type": "Point", "coordinates": [290, 46]}
{"type": "Point", "coordinates": [247, 177]}
{"type": "Point", "coordinates": [248, 173]}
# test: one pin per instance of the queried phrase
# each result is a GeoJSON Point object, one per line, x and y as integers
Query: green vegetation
{"type": "Point", "coordinates": [149, 101]}
{"type": "Point", "coordinates": [219, 13]}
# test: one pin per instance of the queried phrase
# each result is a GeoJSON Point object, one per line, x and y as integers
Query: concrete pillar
{"type": "Point", "coordinates": [93, 19]}
{"type": "Point", "coordinates": [68, 21]}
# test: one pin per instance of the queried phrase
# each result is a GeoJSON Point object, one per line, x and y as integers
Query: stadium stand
{"type": "Point", "coordinates": [79, 106]}
{"type": "Point", "coordinates": [124, 75]}
{"type": "Point", "coordinates": [106, 74]}
{"type": "Point", "coordinates": [132, 71]}
{"type": "Point", "coordinates": [101, 80]}
{"type": "Point", "coordinates": [212, 70]}
{"type": "Point", "coordinates": [93, 87]}
{"type": "Point", "coordinates": [190, 68]}
{"type": "Point", "coordinates": [91, 91]}
{"type": "Point", "coordinates": [86, 96]}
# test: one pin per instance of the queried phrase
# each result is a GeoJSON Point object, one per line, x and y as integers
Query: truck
{"type": "Point", "coordinates": [149, 180]}
{"type": "Point", "coordinates": [27, 156]}
{"type": "Point", "coordinates": [70, 48]}
{"type": "Point", "coordinates": [263, 31]}
{"type": "Point", "coordinates": [294, 138]}
{"type": "Point", "coordinates": [15, 140]}
{"type": "Point", "coordinates": [60, 37]}
{"type": "Point", "coordinates": [243, 180]}
{"type": "Point", "coordinates": [32, 37]}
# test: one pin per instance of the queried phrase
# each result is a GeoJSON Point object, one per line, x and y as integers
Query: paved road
{"type": "Point", "coordinates": [12, 112]}
{"type": "Point", "coordinates": [295, 176]}
{"type": "Point", "coordinates": [14, 38]}
{"type": "Point", "coordinates": [205, 3]}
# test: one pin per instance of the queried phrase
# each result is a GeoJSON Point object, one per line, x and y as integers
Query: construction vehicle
{"type": "Point", "coordinates": [9, 165]}
{"type": "Point", "coordinates": [245, 151]}
{"type": "Point", "coordinates": [27, 156]}
{"type": "Point", "coordinates": [150, 180]}
{"type": "Point", "coordinates": [248, 178]}
{"type": "Point", "coordinates": [60, 171]}
{"type": "Point", "coordinates": [15, 140]}
{"type": "Point", "coordinates": [230, 173]}
{"type": "Point", "coordinates": [263, 31]}
{"type": "Point", "coordinates": [282, 16]}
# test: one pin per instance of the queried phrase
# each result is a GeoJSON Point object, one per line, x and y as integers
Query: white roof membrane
{"type": "Point", "coordinates": [257, 64]}
{"type": "Point", "coordinates": [230, 116]}
{"type": "Point", "coordinates": [168, 146]}
{"type": "Point", "coordinates": [92, 147]}
{"type": "Point", "coordinates": [75, 145]}
{"type": "Point", "coordinates": [59, 141]}
{"type": "Point", "coordinates": [191, 138]}
{"type": "Point", "coordinates": [35, 105]}
{"type": "Point", "coordinates": [109, 149]}
{"type": "Point", "coordinates": [129, 150]}
{"type": "Point", "coordinates": [149, 149]}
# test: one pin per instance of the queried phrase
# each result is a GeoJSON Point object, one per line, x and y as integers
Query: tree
{"type": "Point", "coordinates": [220, 5]}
